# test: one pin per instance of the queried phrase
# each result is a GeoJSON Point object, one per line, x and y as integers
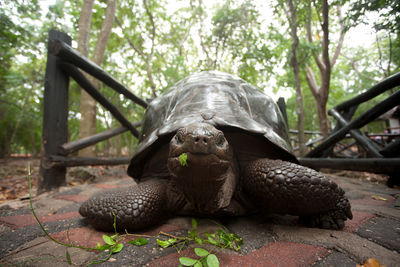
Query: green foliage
{"type": "Point", "coordinates": [388, 13]}
{"type": "Point", "coordinates": [183, 159]}
{"type": "Point", "coordinates": [221, 239]}
{"type": "Point", "coordinates": [139, 242]}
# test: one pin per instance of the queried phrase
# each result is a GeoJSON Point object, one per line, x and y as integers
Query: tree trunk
{"type": "Point", "coordinates": [324, 64]}
{"type": "Point", "coordinates": [88, 104]}
{"type": "Point", "coordinates": [295, 65]}
{"type": "Point", "coordinates": [83, 48]}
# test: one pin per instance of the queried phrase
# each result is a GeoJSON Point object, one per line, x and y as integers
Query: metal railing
{"type": "Point", "coordinates": [380, 160]}
{"type": "Point", "coordinates": [63, 63]}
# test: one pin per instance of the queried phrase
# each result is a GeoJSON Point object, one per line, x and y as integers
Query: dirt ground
{"type": "Point", "coordinates": [14, 176]}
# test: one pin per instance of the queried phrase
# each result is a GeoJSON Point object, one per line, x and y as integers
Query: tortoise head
{"type": "Point", "coordinates": [208, 174]}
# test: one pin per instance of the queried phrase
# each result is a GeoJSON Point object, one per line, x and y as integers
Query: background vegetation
{"type": "Point", "coordinates": [153, 44]}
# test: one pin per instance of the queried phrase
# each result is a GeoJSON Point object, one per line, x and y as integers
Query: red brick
{"type": "Point", "coordinates": [88, 237]}
{"type": "Point", "coordinates": [84, 236]}
{"type": "Point", "coordinates": [359, 218]}
{"type": "Point", "coordinates": [109, 186]}
{"type": "Point", "coordinates": [166, 228]}
{"type": "Point", "coordinates": [74, 198]}
{"type": "Point", "coordinates": [370, 201]}
{"type": "Point", "coordinates": [18, 221]}
{"type": "Point", "coordinates": [272, 254]}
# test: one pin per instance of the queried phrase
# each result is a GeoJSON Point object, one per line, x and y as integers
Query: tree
{"type": "Point", "coordinates": [387, 30]}
{"type": "Point", "coordinates": [88, 104]}
{"type": "Point", "coordinates": [292, 18]}
{"type": "Point", "coordinates": [20, 77]}
{"type": "Point", "coordinates": [322, 60]}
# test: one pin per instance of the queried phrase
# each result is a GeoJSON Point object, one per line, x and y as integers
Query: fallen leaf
{"type": "Point", "coordinates": [379, 198]}
{"type": "Point", "coordinates": [371, 263]}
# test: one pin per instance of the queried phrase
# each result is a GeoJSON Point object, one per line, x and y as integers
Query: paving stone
{"type": "Point", "coordinates": [384, 231]}
{"type": "Point", "coordinates": [336, 259]}
{"type": "Point", "coordinates": [42, 252]}
{"type": "Point", "coordinates": [23, 220]}
{"type": "Point", "coordinates": [138, 256]}
{"type": "Point", "coordinates": [8, 211]}
{"type": "Point", "coordinates": [254, 231]}
{"type": "Point", "coordinates": [359, 218]}
{"type": "Point", "coordinates": [13, 239]}
{"type": "Point", "coordinates": [374, 200]}
{"type": "Point", "coordinates": [354, 245]}
{"type": "Point", "coordinates": [108, 186]}
{"type": "Point", "coordinates": [272, 254]}
{"type": "Point", "coordinates": [82, 236]}
{"type": "Point", "coordinates": [72, 191]}
{"type": "Point", "coordinates": [354, 194]}
{"type": "Point", "coordinates": [50, 205]}
{"type": "Point", "coordinates": [75, 198]}
{"type": "Point", "coordinates": [396, 204]}
{"type": "Point", "coordinates": [282, 254]}
{"type": "Point", "coordinates": [73, 207]}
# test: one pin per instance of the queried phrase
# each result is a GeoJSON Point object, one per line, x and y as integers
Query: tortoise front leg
{"type": "Point", "coordinates": [136, 207]}
{"type": "Point", "coordinates": [277, 186]}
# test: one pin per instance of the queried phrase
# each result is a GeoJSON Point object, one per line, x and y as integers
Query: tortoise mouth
{"type": "Point", "coordinates": [195, 160]}
{"type": "Point", "coordinates": [206, 180]}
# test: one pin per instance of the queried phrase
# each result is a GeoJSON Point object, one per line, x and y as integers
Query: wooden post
{"type": "Point", "coordinates": [282, 106]}
{"type": "Point", "coordinates": [55, 118]}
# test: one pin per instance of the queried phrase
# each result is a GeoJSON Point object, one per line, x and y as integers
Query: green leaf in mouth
{"type": "Point", "coordinates": [183, 159]}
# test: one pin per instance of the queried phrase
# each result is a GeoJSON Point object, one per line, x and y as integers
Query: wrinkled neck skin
{"type": "Point", "coordinates": [209, 178]}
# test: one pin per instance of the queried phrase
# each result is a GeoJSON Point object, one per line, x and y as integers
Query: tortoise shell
{"type": "Point", "coordinates": [214, 97]}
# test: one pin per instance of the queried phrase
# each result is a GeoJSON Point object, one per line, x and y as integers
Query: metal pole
{"type": "Point", "coordinates": [55, 118]}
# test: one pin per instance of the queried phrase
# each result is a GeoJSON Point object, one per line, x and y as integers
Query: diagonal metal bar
{"type": "Point", "coordinates": [61, 161]}
{"type": "Point", "coordinates": [361, 139]}
{"type": "Point", "coordinates": [377, 89]}
{"type": "Point", "coordinates": [365, 118]}
{"type": "Point", "coordinates": [68, 54]}
{"type": "Point", "coordinates": [392, 149]}
{"type": "Point", "coordinates": [73, 146]}
{"type": "Point", "coordinates": [375, 165]}
{"type": "Point", "coordinates": [93, 92]}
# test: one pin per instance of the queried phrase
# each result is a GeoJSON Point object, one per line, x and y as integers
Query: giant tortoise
{"type": "Point", "coordinates": [214, 145]}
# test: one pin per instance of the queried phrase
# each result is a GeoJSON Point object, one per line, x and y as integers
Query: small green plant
{"type": "Point", "coordinates": [112, 245]}
{"type": "Point", "coordinates": [139, 242]}
{"type": "Point", "coordinates": [183, 159]}
{"type": "Point", "coordinates": [221, 239]}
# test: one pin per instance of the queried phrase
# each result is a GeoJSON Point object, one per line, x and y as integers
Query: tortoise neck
{"type": "Point", "coordinates": [208, 188]}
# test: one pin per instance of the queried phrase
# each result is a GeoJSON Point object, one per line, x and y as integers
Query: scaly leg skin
{"type": "Point", "coordinates": [136, 207]}
{"type": "Point", "coordinates": [277, 186]}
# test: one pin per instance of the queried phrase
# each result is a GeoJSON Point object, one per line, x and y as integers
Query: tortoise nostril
{"type": "Point", "coordinates": [200, 139]}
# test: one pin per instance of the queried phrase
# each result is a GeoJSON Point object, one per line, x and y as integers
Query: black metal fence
{"type": "Point", "coordinates": [62, 63]}
{"type": "Point", "coordinates": [385, 159]}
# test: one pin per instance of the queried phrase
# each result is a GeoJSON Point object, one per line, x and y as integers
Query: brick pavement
{"type": "Point", "coordinates": [267, 240]}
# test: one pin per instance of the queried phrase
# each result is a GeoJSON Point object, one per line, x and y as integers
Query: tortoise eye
{"type": "Point", "coordinates": [220, 140]}
{"type": "Point", "coordinates": [180, 136]}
